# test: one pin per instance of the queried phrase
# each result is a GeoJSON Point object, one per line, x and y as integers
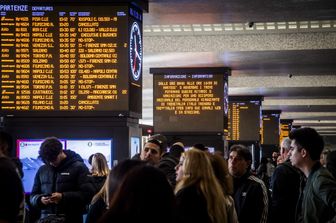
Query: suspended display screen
{"type": "Point", "coordinates": [71, 59]}
{"type": "Point", "coordinates": [244, 120]}
{"type": "Point", "coordinates": [270, 131]}
{"type": "Point", "coordinates": [189, 101]}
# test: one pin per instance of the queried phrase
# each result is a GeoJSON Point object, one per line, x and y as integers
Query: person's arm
{"type": "Point", "coordinates": [37, 198]}
{"type": "Point", "coordinates": [325, 187]}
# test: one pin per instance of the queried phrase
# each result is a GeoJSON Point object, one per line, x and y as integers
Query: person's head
{"type": "Point", "coordinates": [194, 164]}
{"type": "Point", "coordinates": [144, 195]}
{"type": "Point", "coordinates": [90, 159]}
{"type": "Point", "coordinates": [285, 147]}
{"type": "Point", "coordinates": [196, 170]}
{"type": "Point", "coordinates": [323, 157]}
{"type": "Point", "coordinates": [200, 146]}
{"type": "Point", "coordinates": [99, 165]}
{"type": "Point", "coordinates": [6, 144]}
{"type": "Point", "coordinates": [240, 159]}
{"type": "Point", "coordinates": [275, 156]}
{"type": "Point", "coordinates": [114, 179]}
{"type": "Point", "coordinates": [176, 150]}
{"type": "Point", "coordinates": [331, 162]}
{"type": "Point", "coordinates": [306, 146]}
{"type": "Point", "coordinates": [51, 151]}
{"type": "Point", "coordinates": [153, 149]}
{"type": "Point", "coordinates": [220, 168]}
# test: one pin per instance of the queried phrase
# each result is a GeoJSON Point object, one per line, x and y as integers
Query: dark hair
{"type": "Point", "coordinates": [49, 149]}
{"type": "Point", "coordinates": [176, 150]}
{"type": "Point", "coordinates": [6, 143]}
{"type": "Point", "coordinates": [159, 140]}
{"type": "Point", "coordinates": [242, 152]}
{"type": "Point", "coordinates": [144, 188]}
{"type": "Point", "coordinates": [200, 147]}
{"type": "Point", "coordinates": [90, 159]}
{"type": "Point", "coordinates": [308, 139]}
{"type": "Point", "coordinates": [118, 173]}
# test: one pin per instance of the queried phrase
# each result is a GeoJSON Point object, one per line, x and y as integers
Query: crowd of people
{"type": "Point", "coordinates": [177, 186]}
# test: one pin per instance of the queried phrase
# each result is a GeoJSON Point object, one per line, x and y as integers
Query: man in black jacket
{"type": "Point", "coordinates": [285, 187]}
{"type": "Point", "coordinates": [62, 186]}
{"type": "Point", "coordinates": [250, 193]}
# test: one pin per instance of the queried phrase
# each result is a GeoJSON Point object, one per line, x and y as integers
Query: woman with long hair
{"type": "Point", "coordinates": [99, 170]}
{"type": "Point", "coordinates": [144, 195]}
{"type": "Point", "coordinates": [100, 202]}
{"type": "Point", "coordinates": [221, 171]}
{"type": "Point", "coordinates": [199, 196]}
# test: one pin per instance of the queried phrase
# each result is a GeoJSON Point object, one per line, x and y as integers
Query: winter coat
{"type": "Point", "coordinates": [69, 178]}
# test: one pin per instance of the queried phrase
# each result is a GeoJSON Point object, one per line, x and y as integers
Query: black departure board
{"type": "Point", "coordinates": [285, 128]}
{"type": "Point", "coordinates": [70, 59]}
{"type": "Point", "coordinates": [189, 100]}
{"type": "Point", "coordinates": [270, 127]}
{"type": "Point", "coordinates": [244, 119]}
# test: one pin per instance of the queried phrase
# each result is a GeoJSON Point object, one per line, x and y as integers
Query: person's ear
{"type": "Point", "coordinates": [304, 152]}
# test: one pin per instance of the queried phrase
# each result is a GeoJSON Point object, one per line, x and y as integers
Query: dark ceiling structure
{"type": "Point", "coordinates": [284, 50]}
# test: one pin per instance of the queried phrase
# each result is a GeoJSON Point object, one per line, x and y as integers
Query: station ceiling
{"type": "Point", "coordinates": [284, 50]}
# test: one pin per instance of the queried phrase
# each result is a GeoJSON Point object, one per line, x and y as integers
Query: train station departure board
{"type": "Point", "coordinates": [285, 128]}
{"type": "Point", "coordinates": [244, 119]}
{"type": "Point", "coordinates": [70, 59]}
{"type": "Point", "coordinates": [190, 100]}
{"type": "Point", "coordinates": [270, 127]}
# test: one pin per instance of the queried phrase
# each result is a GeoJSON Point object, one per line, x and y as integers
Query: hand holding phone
{"type": "Point", "coordinates": [56, 197]}
{"type": "Point", "coordinates": [45, 199]}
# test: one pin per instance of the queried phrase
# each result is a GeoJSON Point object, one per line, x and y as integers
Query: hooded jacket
{"type": "Point", "coordinates": [69, 178]}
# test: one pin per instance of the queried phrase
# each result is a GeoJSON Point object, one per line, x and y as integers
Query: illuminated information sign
{"type": "Point", "coordinates": [244, 120]}
{"type": "Point", "coordinates": [58, 59]}
{"type": "Point", "coordinates": [270, 128]}
{"type": "Point", "coordinates": [189, 102]}
{"type": "Point", "coordinates": [285, 128]}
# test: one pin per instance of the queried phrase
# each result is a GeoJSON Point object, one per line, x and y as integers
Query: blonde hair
{"type": "Point", "coordinates": [103, 192]}
{"type": "Point", "coordinates": [198, 171]}
{"type": "Point", "coordinates": [99, 165]}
